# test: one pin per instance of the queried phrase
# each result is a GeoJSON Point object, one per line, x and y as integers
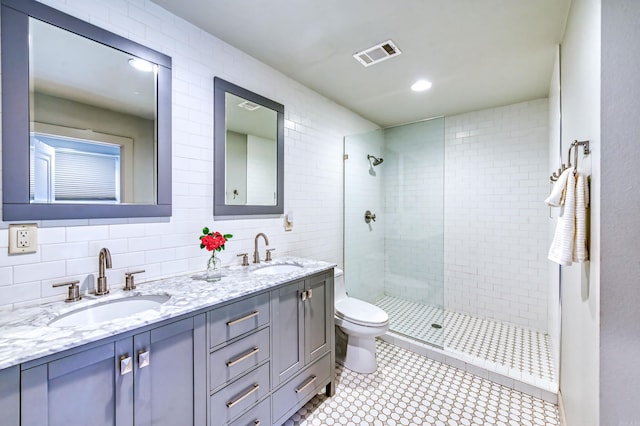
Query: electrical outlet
{"type": "Point", "coordinates": [23, 238]}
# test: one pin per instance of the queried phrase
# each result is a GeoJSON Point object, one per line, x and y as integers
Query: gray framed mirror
{"type": "Point", "coordinates": [86, 123]}
{"type": "Point", "coordinates": [248, 152]}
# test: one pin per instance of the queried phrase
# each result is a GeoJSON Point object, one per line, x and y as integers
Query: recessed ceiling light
{"type": "Point", "coordinates": [141, 64]}
{"type": "Point", "coordinates": [421, 85]}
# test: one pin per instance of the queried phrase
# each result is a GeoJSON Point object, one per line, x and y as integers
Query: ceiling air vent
{"type": "Point", "coordinates": [248, 105]}
{"type": "Point", "coordinates": [377, 53]}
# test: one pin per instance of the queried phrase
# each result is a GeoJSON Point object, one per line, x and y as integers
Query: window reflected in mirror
{"type": "Point", "coordinates": [251, 153]}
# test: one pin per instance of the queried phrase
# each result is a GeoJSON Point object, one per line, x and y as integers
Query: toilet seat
{"type": "Point", "coordinates": [361, 313]}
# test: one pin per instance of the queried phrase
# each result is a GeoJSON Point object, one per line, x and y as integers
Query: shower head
{"type": "Point", "coordinates": [376, 161]}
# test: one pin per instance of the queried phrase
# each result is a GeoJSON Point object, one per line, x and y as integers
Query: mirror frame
{"type": "Point", "coordinates": [221, 88]}
{"type": "Point", "coordinates": [15, 117]}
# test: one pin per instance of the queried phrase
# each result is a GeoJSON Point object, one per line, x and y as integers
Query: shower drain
{"type": "Point", "coordinates": [434, 325]}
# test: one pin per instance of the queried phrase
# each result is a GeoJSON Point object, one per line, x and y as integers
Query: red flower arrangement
{"type": "Point", "coordinates": [213, 240]}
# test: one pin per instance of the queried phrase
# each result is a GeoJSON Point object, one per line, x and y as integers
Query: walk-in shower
{"type": "Point", "coordinates": [450, 256]}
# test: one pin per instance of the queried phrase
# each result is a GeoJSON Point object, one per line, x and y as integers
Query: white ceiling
{"type": "Point", "coordinates": [477, 53]}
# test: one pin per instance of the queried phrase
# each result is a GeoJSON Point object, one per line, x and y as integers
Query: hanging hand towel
{"type": "Point", "coordinates": [556, 198]}
{"type": "Point", "coordinates": [561, 250]}
{"type": "Point", "coordinates": [580, 252]}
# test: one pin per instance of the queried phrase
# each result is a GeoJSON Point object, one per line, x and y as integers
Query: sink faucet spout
{"type": "Point", "coordinates": [104, 261]}
{"type": "Point", "coordinates": [256, 255]}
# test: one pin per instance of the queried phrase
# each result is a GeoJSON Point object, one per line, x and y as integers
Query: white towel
{"type": "Point", "coordinates": [556, 198]}
{"type": "Point", "coordinates": [561, 250]}
{"type": "Point", "coordinates": [570, 241]}
{"type": "Point", "coordinates": [581, 252]}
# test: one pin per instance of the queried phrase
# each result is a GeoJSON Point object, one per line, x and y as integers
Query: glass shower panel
{"type": "Point", "coordinates": [414, 236]}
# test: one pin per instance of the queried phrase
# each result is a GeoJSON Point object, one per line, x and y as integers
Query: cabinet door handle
{"type": "Point", "coordinates": [143, 359]}
{"type": "Point", "coordinates": [310, 293]}
{"type": "Point", "coordinates": [303, 296]}
{"type": "Point", "coordinates": [244, 318]}
{"type": "Point", "coordinates": [126, 365]}
{"type": "Point", "coordinates": [256, 422]}
{"type": "Point", "coordinates": [306, 385]}
{"type": "Point", "coordinates": [242, 357]}
{"type": "Point", "coordinates": [254, 388]}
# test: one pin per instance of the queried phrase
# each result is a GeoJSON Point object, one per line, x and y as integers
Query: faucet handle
{"type": "Point", "coordinates": [129, 283]}
{"type": "Point", "coordinates": [245, 258]}
{"type": "Point", "coordinates": [74, 290]}
{"type": "Point", "coordinates": [269, 259]}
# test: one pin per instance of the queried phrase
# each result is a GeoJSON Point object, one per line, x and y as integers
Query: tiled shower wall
{"type": "Point", "coordinates": [313, 160]}
{"type": "Point", "coordinates": [413, 190]}
{"type": "Point", "coordinates": [496, 223]}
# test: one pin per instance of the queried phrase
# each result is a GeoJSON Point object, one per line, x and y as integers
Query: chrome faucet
{"type": "Point", "coordinates": [256, 255]}
{"type": "Point", "coordinates": [104, 261]}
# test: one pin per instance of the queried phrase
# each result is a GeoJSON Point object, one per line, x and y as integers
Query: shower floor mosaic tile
{"type": "Point", "coordinates": [410, 389]}
{"type": "Point", "coordinates": [513, 349]}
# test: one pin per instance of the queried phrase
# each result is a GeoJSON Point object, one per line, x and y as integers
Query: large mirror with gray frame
{"type": "Point", "coordinates": [86, 126]}
{"type": "Point", "coordinates": [248, 152]}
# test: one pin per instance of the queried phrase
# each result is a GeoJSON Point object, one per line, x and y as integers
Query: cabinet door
{"type": "Point", "coordinates": [317, 317]}
{"type": "Point", "coordinates": [170, 374]}
{"type": "Point", "coordinates": [10, 396]}
{"type": "Point", "coordinates": [288, 331]}
{"type": "Point", "coordinates": [82, 389]}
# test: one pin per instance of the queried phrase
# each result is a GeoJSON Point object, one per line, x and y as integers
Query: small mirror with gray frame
{"type": "Point", "coordinates": [248, 151]}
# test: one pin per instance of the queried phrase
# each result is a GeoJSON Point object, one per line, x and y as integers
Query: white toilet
{"type": "Point", "coordinates": [358, 324]}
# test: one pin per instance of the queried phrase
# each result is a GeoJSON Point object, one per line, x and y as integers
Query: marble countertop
{"type": "Point", "coordinates": [25, 333]}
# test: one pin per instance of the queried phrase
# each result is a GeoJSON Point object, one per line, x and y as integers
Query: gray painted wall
{"type": "Point", "coordinates": [620, 217]}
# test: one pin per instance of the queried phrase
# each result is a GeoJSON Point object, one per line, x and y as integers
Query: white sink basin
{"type": "Point", "coordinates": [277, 268]}
{"type": "Point", "coordinates": [109, 310]}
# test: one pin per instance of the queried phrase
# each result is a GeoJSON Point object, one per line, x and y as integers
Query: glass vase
{"type": "Point", "coordinates": [214, 268]}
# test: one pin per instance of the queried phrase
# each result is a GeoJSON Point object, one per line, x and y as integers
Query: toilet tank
{"type": "Point", "coordinates": [338, 285]}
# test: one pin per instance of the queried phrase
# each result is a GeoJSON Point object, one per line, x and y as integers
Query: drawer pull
{"type": "Point", "coordinates": [241, 358]}
{"type": "Point", "coordinates": [244, 318]}
{"type": "Point", "coordinates": [143, 359]}
{"type": "Point", "coordinates": [126, 365]}
{"type": "Point", "coordinates": [306, 385]}
{"type": "Point", "coordinates": [254, 388]}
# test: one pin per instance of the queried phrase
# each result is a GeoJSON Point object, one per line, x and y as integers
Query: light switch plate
{"type": "Point", "coordinates": [23, 238]}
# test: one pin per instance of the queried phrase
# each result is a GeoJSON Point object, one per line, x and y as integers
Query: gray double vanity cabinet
{"type": "Point", "coordinates": [250, 349]}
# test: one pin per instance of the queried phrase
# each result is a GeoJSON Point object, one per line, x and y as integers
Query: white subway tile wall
{"type": "Point", "coordinates": [496, 223]}
{"type": "Point", "coordinates": [313, 162]}
{"type": "Point", "coordinates": [414, 198]}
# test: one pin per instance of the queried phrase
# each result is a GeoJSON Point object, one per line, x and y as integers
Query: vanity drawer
{"type": "Point", "coordinates": [238, 318]}
{"type": "Point", "coordinates": [233, 399]}
{"type": "Point", "coordinates": [231, 361]}
{"type": "Point", "coordinates": [257, 416]}
{"type": "Point", "coordinates": [302, 387]}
